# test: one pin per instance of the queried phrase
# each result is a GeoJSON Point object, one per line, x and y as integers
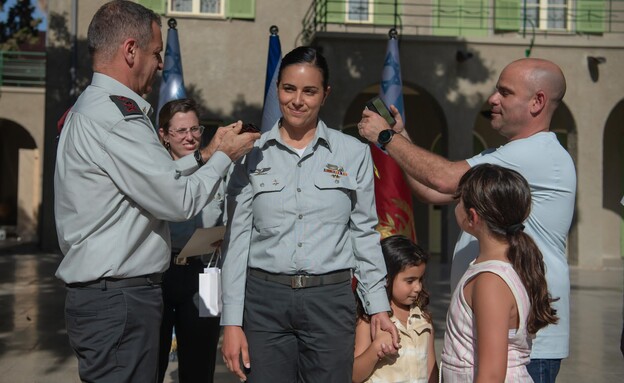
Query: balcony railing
{"type": "Point", "coordinates": [464, 17]}
{"type": "Point", "coordinates": [22, 69]}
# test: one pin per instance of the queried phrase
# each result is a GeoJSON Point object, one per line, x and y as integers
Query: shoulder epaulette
{"type": "Point", "coordinates": [126, 105]}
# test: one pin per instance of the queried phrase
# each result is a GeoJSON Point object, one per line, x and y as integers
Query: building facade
{"type": "Point", "coordinates": [451, 54]}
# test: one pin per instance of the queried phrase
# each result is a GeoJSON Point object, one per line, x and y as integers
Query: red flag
{"type": "Point", "coordinates": [393, 197]}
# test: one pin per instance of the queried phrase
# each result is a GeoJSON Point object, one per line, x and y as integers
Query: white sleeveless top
{"type": "Point", "coordinates": [459, 352]}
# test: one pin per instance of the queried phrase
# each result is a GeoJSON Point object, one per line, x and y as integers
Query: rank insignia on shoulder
{"type": "Point", "coordinates": [260, 171]}
{"type": "Point", "coordinates": [127, 106]}
{"type": "Point", "coordinates": [335, 170]}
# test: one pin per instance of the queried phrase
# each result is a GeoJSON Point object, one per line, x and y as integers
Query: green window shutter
{"type": "Point", "coordinates": [474, 17]}
{"type": "Point", "coordinates": [331, 11]}
{"type": "Point", "coordinates": [590, 16]}
{"type": "Point", "coordinates": [461, 18]}
{"type": "Point", "coordinates": [384, 12]}
{"type": "Point", "coordinates": [507, 15]}
{"type": "Point", "coordinates": [240, 9]}
{"type": "Point", "coordinates": [446, 17]}
{"type": "Point", "coordinates": [158, 6]}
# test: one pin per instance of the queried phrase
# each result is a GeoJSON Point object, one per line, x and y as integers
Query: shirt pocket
{"type": "Point", "coordinates": [336, 197]}
{"type": "Point", "coordinates": [268, 201]}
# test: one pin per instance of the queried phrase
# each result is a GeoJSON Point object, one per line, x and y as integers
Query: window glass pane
{"type": "Point", "coordinates": [557, 18]}
{"type": "Point", "coordinates": [210, 6]}
{"type": "Point", "coordinates": [182, 5]}
{"type": "Point", "coordinates": [532, 18]}
{"type": "Point", "coordinates": [358, 10]}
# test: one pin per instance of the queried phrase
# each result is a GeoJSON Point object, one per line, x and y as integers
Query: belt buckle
{"type": "Point", "coordinates": [297, 281]}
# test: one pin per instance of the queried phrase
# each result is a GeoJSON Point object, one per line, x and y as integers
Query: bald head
{"type": "Point", "coordinates": [542, 75]}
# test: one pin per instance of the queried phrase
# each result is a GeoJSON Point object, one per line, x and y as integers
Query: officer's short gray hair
{"type": "Point", "coordinates": [117, 21]}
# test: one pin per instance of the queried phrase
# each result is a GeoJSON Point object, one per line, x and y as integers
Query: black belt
{"type": "Point", "coordinates": [301, 281]}
{"type": "Point", "coordinates": [117, 283]}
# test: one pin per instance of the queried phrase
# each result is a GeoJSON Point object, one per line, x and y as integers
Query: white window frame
{"type": "Point", "coordinates": [195, 10]}
{"type": "Point", "coordinates": [371, 12]}
{"type": "Point", "coordinates": [542, 15]}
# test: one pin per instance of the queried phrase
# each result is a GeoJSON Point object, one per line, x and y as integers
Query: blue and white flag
{"type": "Point", "coordinates": [271, 111]}
{"type": "Point", "coordinates": [172, 85]}
{"type": "Point", "coordinates": [391, 91]}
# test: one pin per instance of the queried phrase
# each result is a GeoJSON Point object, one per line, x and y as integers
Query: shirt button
{"type": "Point", "coordinates": [300, 244]}
{"type": "Point", "coordinates": [262, 185]}
{"type": "Point", "coordinates": [300, 216]}
{"type": "Point", "coordinates": [299, 190]}
{"type": "Point", "coordinates": [367, 303]}
{"type": "Point", "coordinates": [337, 181]}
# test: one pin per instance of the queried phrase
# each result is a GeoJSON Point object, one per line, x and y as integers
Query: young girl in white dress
{"type": "Point", "coordinates": [416, 361]}
{"type": "Point", "coordinates": [502, 299]}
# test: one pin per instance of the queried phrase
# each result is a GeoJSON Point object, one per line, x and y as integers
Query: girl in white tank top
{"type": "Point", "coordinates": [502, 299]}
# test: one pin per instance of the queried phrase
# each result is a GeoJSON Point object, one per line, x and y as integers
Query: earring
{"type": "Point", "coordinates": [168, 146]}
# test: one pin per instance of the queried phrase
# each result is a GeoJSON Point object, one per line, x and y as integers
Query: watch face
{"type": "Point", "coordinates": [385, 136]}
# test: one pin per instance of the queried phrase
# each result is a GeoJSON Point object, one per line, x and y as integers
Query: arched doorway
{"type": "Point", "coordinates": [424, 121]}
{"type": "Point", "coordinates": [613, 183]}
{"type": "Point", "coordinates": [20, 179]}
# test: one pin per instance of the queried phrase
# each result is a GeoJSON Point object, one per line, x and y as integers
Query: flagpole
{"type": "Point", "coordinates": [172, 83]}
{"type": "Point", "coordinates": [270, 110]}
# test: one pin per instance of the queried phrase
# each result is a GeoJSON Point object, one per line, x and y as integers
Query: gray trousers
{"type": "Point", "coordinates": [114, 332]}
{"type": "Point", "coordinates": [299, 335]}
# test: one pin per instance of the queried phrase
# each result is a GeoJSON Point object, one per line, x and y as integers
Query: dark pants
{"type": "Point", "coordinates": [113, 332]}
{"type": "Point", "coordinates": [544, 370]}
{"type": "Point", "coordinates": [197, 338]}
{"type": "Point", "coordinates": [299, 335]}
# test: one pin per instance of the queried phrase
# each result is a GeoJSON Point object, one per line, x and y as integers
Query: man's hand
{"type": "Point", "coordinates": [372, 124]}
{"type": "Point", "coordinates": [230, 141]}
{"type": "Point", "coordinates": [382, 321]}
{"type": "Point", "coordinates": [233, 348]}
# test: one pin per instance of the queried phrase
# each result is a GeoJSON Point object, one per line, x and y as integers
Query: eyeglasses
{"type": "Point", "coordinates": [195, 131]}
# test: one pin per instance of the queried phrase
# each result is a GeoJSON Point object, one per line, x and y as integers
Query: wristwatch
{"type": "Point", "coordinates": [198, 158]}
{"type": "Point", "coordinates": [385, 136]}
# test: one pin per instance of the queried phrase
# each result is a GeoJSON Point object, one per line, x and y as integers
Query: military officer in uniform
{"type": "Point", "coordinates": [116, 186]}
{"type": "Point", "coordinates": [301, 220]}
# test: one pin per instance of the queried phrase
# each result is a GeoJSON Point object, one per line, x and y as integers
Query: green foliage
{"type": "Point", "coordinates": [20, 27]}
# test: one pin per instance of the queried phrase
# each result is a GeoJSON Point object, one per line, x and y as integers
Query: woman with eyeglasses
{"type": "Point", "coordinates": [197, 338]}
{"type": "Point", "coordinates": [301, 222]}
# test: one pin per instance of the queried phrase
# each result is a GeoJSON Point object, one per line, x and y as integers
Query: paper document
{"type": "Point", "coordinates": [201, 243]}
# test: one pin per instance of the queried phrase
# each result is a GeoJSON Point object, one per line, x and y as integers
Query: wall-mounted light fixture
{"type": "Point", "coordinates": [592, 65]}
{"type": "Point", "coordinates": [462, 56]}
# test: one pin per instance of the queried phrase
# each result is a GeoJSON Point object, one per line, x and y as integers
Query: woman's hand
{"type": "Point", "coordinates": [234, 348]}
{"type": "Point", "coordinates": [382, 321]}
{"type": "Point", "coordinates": [382, 342]}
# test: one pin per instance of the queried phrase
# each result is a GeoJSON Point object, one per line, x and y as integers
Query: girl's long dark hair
{"type": "Point", "coordinates": [502, 198]}
{"type": "Point", "coordinates": [399, 253]}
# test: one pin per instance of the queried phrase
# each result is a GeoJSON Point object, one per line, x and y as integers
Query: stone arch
{"type": "Point", "coordinates": [20, 180]}
{"type": "Point", "coordinates": [613, 182]}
